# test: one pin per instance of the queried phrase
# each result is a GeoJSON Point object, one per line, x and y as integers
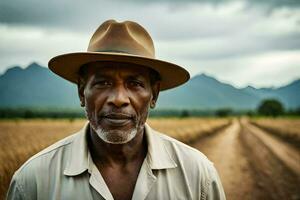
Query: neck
{"type": "Point", "coordinates": [120, 154]}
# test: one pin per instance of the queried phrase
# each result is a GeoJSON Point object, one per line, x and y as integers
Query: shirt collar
{"type": "Point", "coordinates": [158, 155]}
{"type": "Point", "coordinates": [80, 159]}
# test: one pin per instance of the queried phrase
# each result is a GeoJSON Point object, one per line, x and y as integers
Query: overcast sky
{"type": "Point", "coordinates": [240, 42]}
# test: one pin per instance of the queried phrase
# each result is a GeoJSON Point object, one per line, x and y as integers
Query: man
{"type": "Point", "coordinates": [117, 155]}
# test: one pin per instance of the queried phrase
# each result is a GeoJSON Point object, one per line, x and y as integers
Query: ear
{"type": "Point", "coordinates": [80, 89]}
{"type": "Point", "coordinates": [155, 92]}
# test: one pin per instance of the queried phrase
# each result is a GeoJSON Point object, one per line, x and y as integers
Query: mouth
{"type": "Point", "coordinates": [117, 119]}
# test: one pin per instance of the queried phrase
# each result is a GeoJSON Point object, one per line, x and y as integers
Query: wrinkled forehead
{"type": "Point", "coordinates": [113, 69]}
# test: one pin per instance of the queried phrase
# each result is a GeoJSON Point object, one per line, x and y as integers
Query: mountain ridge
{"type": "Point", "coordinates": [36, 86]}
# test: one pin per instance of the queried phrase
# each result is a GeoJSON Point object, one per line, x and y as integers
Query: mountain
{"type": "Point", "coordinates": [206, 92]}
{"type": "Point", "coordinates": [289, 94]}
{"type": "Point", "coordinates": [37, 86]}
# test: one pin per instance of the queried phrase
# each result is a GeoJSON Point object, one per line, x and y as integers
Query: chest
{"type": "Point", "coordinates": [120, 182]}
{"type": "Point", "coordinates": [163, 184]}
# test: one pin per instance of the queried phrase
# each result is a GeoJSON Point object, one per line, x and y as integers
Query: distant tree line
{"type": "Point", "coordinates": [274, 108]}
{"type": "Point", "coordinates": [271, 107]}
{"type": "Point", "coordinates": [268, 107]}
{"type": "Point", "coordinates": [31, 113]}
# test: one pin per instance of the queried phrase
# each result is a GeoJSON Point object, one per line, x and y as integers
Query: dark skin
{"type": "Point", "coordinates": [126, 91]}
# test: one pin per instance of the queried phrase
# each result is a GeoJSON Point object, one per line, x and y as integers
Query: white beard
{"type": "Point", "coordinates": [112, 136]}
{"type": "Point", "coordinates": [115, 136]}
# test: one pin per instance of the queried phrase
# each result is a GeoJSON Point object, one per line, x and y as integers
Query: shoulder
{"type": "Point", "coordinates": [182, 151]}
{"type": "Point", "coordinates": [48, 153]}
{"type": "Point", "coordinates": [39, 167]}
{"type": "Point", "coordinates": [199, 171]}
{"type": "Point", "coordinates": [192, 162]}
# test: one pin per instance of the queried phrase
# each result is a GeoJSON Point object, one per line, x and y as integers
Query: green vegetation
{"type": "Point", "coordinates": [266, 108]}
{"type": "Point", "coordinates": [224, 112]}
{"type": "Point", "coordinates": [31, 113]}
{"type": "Point", "coordinates": [181, 113]}
{"type": "Point", "coordinates": [270, 107]}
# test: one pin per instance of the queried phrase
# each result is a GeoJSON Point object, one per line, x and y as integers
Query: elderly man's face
{"type": "Point", "coordinates": [117, 97]}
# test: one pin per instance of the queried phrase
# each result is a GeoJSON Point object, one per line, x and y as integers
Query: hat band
{"type": "Point", "coordinates": [112, 51]}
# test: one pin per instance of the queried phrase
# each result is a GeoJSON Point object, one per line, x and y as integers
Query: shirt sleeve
{"type": "Point", "coordinates": [15, 191]}
{"type": "Point", "coordinates": [215, 189]}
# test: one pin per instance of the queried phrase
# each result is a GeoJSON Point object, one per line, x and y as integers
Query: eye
{"type": "Point", "coordinates": [102, 83]}
{"type": "Point", "coordinates": [136, 83]}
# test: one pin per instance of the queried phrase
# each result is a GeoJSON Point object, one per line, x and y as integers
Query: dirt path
{"type": "Point", "coordinates": [241, 168]}
{"type": "Point", "coordinates": [286, 153]}
{"type": "Point", "coordinates": [275, 162]}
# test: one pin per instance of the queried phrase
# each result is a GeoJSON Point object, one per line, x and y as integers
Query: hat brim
{"type": "Point", "coordinates": [67, 66]}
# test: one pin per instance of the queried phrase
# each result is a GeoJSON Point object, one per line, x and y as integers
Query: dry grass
{"type": "Point", "coordinates": [286, 128]}
{"type": "Point", "coordinates": [20, 139]}
{"type": "Point", "coordinates": [188, 129]}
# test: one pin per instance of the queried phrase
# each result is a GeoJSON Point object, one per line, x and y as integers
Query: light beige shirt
{"type": "Point", "coordinates": [65, 170]}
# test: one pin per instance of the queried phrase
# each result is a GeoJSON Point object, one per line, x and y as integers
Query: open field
{"type": "Point", "coordinates": [19, 139]}
{"type": "Point", "coordinates": [286, 128]}
{"type": "Point", "coordinates": [252, 163]}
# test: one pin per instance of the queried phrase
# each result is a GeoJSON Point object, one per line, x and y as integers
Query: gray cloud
{"type": "Point", "coordinates": [267, 4]}
{"type": "Point", "coordinates": [67, 14]}
{"type": "Point", "coordinates": [233, 47]}
{"type": "Point", "coordinates": [59, 14]}
{"type": "Point", "coordinates": [217, 37]}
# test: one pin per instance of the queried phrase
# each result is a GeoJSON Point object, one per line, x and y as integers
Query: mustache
{"type": "Point", "coordinates": [117, 115]}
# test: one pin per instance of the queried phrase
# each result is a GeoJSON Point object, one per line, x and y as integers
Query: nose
{"type": "Point", "coordinates": [118, 97]}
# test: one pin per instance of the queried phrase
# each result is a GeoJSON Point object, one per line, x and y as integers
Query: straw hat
{"type": "Point", "coordinates": [125, 42]}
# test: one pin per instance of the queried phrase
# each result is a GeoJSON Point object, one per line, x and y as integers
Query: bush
{"type": "Point", "coordinates": [270, 107]}
{"type": "Point", "coordinates": [185, 113]}
{"type": "Point", "coordinates": [223, 112]}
